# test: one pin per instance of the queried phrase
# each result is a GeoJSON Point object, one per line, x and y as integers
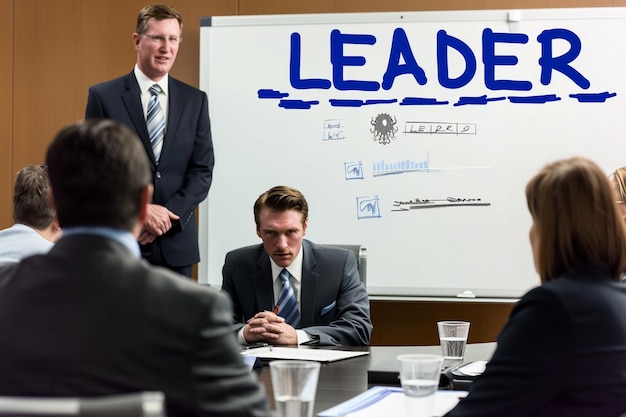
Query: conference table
{"type": "Point", "coordinates": [341, 380]}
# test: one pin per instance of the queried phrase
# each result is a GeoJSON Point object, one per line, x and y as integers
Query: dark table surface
{"type": "Point", "coordinates": [339, 381]}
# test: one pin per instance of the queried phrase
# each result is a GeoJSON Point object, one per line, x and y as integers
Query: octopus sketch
{"type": "Point", "coordinates": [384, 129]}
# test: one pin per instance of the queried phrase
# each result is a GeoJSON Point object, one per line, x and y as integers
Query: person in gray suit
{"type": "Point", "coordinates": [331, 302]}
{"type": "Point", "coordinates": [91, 317]}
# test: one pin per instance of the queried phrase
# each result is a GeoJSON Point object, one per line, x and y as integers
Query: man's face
{"type": "Point", "coordinates": [156, 52]}
{"type": "Point", "coordinates": [282, 234]}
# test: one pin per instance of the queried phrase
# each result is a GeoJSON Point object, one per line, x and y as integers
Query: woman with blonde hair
{"type": "Point", "coordinates": [563, 350]}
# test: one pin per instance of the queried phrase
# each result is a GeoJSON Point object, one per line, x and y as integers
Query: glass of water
{"type": "Point", "coordinates": [295, 385]}
{"type": "Point", "coordinates": [453, 338]}
{"type": "Point", "coordinates": [419, 376]}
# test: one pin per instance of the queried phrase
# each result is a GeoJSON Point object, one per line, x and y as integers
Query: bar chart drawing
{"type": "Point", "coordinates": [381, 167]}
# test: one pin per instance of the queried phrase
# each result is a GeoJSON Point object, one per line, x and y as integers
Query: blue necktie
{"type": "Point", "coordinates": [287, 304]}
{"type": "Point", "coordinates": [155, 122]}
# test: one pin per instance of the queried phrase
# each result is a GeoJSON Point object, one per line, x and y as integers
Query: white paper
{"type": "Point", "coordinates": [318, 355]}
{"type": "Point", "coordinates": [389, 401]}
{"type": "Point", "coordinates": [472, 369]}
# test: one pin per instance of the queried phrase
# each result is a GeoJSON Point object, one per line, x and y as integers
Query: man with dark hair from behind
{"type": "Point", "coordinates": [91, 317]}
{"type": "Point", "coordinates": [35, 227]}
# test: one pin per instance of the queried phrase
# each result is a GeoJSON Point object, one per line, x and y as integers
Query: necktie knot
{"type": "Point", "coordinates": [155, 89]}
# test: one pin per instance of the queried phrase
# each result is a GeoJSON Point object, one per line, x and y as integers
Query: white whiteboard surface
{"type": "Point", "coordinates": [427, 173]}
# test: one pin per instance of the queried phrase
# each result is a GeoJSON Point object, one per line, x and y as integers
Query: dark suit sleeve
{"type": "Point", "coordinates": [530, 364]}
{"type": "Point", "coordinates": [229, 287]}
{"type": "Point", "coordinates": [94, 105]}
{"type": "Point", "coordinates": [351, 325]}
{"type": "Point", "coordinates": [224, 385]}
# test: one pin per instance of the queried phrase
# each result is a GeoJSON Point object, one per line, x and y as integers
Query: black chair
{"type": "Point", "coordinates": [140, 404]}
{"type": "Point", "coordinates": [361, 258]}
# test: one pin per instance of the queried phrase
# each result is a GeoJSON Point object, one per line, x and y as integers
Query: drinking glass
{"type": "Point", "coordinates": [419, 376]}
{"type": "Point", "coordinates": [453, 338]}
{"type": "Point", "coordinates": [295, 385]}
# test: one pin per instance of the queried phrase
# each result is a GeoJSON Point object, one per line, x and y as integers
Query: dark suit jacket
{"type": "Point", "coordinates": [334, 305]}
{"type": "Point", "coordinates": [562, 353]}
{"type": "Point", "coordinates": [90, 318]}
{"type": "Point", "coordinates": [183, 175]}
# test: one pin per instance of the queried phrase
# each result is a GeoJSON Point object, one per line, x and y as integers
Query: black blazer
{"type": "Point", "coordinates": [334, 305]}
{"type": "Point", "coordinates": [562, 353]}
{"type": "Point", "coordinates": [90, 318]}
{"type": "Point", "coordinates": [183, 175]}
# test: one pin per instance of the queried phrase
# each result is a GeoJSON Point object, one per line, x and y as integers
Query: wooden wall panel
{"type": "Point", "coordinates": [64, 46]}
{"type": "Point", "coordinates": [415, 322]}
{"type": "Point", "coordinates": [6, 112]}
{"type": "Point", "coordinates": [252, 7]}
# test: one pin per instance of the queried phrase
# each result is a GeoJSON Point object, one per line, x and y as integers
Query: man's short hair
{"type": "Point", "coordinates": [99, 170]}
{"type": "Point", "coordinates": [158, 12]}
{"type": "Point", "coordinates": [31, 205]}
{"type": "Point", "coordinates": [281, 198]}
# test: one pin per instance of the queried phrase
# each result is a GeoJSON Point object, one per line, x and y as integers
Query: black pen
{"type": "Point", "coordinates": [254, 346]}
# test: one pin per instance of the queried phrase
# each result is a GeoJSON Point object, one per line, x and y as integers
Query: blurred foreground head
{"type": "Point", "coordinates": [100, 175]}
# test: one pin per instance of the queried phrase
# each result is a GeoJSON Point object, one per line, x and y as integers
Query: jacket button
{"type": "Point", "coordinates": [158, 175]}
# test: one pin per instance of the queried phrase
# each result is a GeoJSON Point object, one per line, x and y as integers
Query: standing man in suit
{"type": "Point", "coordinates": [35, 226]}
{"type": "Point", "coordinates": [91, 317]}
{"type": "Point", "coordinates": [171, 119]}
{"type": "Point", "coordinates": [331, 303]}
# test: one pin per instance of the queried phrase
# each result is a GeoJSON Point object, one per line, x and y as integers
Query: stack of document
{"type": "Point", "coordinates": [318, 355]}
{"type": "Point", "coordinates": [389, 401]}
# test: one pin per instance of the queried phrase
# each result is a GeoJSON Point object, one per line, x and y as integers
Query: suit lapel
{"type": "Point", "coordinates": [173, 116]}
{"type": "Point", "coordinates": [263, 284]}
{"type": "Point", "coordinates": [132, 100]}
{"type": "Point", "coordinates": [308, 286]}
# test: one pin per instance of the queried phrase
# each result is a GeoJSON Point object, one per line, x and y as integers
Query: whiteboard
{"type": "Point", "coordinates": [412, 134]}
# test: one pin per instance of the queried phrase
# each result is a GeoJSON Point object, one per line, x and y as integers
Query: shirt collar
{"type": "Point", "coordinates": [122, 236]}
{"type": "Point", "coordinates": [295, 268]}
{"type": "Point", "coordinates": [145, 83]}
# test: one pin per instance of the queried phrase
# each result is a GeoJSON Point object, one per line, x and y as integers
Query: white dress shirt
{"type": "Point", "coordinates": [144, 86]}
{"type": "Point", "coordinates": [20, 241]}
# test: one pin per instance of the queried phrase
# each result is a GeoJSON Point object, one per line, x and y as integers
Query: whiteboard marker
{"type": "Point", "coordinates": [515, 15]}
{"type": "Point", "coordinates": [466, 294]}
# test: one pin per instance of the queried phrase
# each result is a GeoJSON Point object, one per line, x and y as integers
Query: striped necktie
{"type": "Point", "coordinates": [155, 122]}
{"type": "Point", "coordinates": [287, 304]}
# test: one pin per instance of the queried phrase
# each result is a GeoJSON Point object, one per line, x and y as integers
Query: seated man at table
{"type": "Point", "coordinates": [288, 290]}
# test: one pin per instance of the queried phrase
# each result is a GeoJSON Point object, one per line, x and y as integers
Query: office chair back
{"type": "Point", "coordinates": [361, 258]}
{"type": "Point", "coordinates": [140, 404]}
